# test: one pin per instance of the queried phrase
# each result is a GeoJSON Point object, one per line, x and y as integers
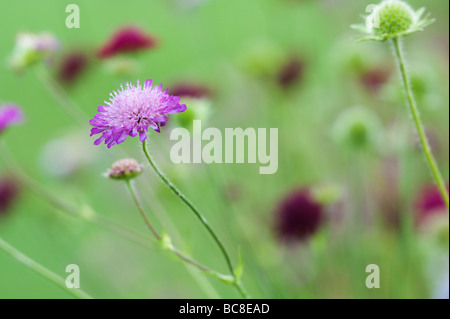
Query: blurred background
{"type": "Point", "coordinates": [352, 186]}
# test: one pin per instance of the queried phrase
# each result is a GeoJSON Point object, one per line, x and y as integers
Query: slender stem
{"type": "Point", "coordinates": [41, 270]}
{"type": "Point", "coordinates": [157, 235]}
{"type": "Point", "coordinates": [141, 210]}
{"type": "Point", "coordinates": [202, 219]}
{"type": "Point", "coordinates": [420, 130]}
{"type": "Point", "coordinates": [68, 105]}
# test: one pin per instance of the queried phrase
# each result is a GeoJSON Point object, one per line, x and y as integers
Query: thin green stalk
{"type": "Point", "coordinates": [420, 130]}
{"type": "Point", "coordinates": [202, 219]}
{"type": "Point", "coordinates": [141, 210]}
{"type": "Point", "coordinates": [41, 270]}
{"type": "Point", "coordinates": [68, 105]}
{"type": "Point", "coordinates": [157, 235]}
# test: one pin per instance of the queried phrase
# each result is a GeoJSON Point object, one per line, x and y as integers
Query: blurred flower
{"type": "Point", "coordinates": [374, 79]}
{"type": "Point", "coordinates": [291, 72]}
{"type": "Point", "coordinates": [357, 128]}
{"type": "Point", "coordinates": [392, 19]}
{"type": "Point", "coordinates": [128, 39]}
{"type": "Point", "coordinates": [131, 110]}
{"type": "Point", "coordinates": [429, 203]}
{"type": "Point", "coordinates": [190, 90]}
{"type": "Point", "coordinates": [125, 169]}
{"type": "Point", "coordinates": [31, 48]}
{"type": "Point", "coordinates": [298, 216]}
{"type": "Point", "coordinates": [9, 192]}
{"type": "Point", "coordinates": [72, 66]}
{"type": "Point", "coordinates": [261, 59]}
{"type": "Point", "coordinates": [66, 154]}
{"type": "Point", "coordinates": [10, 114]}
{"type": "Point", "coordinates": [197, 97]}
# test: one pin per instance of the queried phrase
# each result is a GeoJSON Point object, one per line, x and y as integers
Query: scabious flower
{"type": "Point", "coordinates": [374, 79]}
{"type": "Point", "coordinates": [132, 110]}
{"type": "Point", "coordinates": [125, 169]}
{"type": "Point", "coordinates": [129, 39]}
{"type": "Point", "coordinates": [392, 19]}
{"type": "Point", "coordinates": [10, 114]}
{"type": "Point", "coordinates": [8, 194]}
{"type": "Point", "coordinates": [298, 216]}
{"type": "Point", "coordinates": [31, 48]}
{"type": "Point", "coordinates": [72, 66]}
{"type": "Point", "coordinates": [429, 203]}
{"type": "Point", "coordinates": [291, 72]}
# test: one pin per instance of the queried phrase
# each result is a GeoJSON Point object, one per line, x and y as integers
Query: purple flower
{"type": "Point", "coordinates": [9, 115]}
{"type": "Point", "coordinates": [429, 203]}
{"type": "Point", "coordinates": [190, 90]}
{"type": "Point", "coordinates": [298, 216]}
{"type": "Point", "coordinates": [132, 110]}
{"type": "Point", "coordinates": [129, 39]}
{"type": "Point", "coordinates": [72, 66]}
{"type": "Point", "coordinates": [8, 194]}
{"type": "Point", "coordinates": [291, 72]}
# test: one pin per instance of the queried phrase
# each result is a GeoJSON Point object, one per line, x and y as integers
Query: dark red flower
{"type": "Point", "coordinates": [129, 39]}
{"type": "Point", "coordinates": [72, 66]}
{"type": "Point", "coordinates": [9, 191]}
{"type": "Point", "coordinates": [191, 90]}
{"type": "Point", "coordinates": [374, 79]}
{"type": "Point", "coordinates": [429, 203]}
{"type": "Point", "coordinates": [291, 72]}
{"type": "Point", "coordinates": [298, 216]}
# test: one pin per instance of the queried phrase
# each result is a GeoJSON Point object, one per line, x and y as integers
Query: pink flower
{"type": "Point", "coordinates": [132, 110]}
{"type": "Point", "coordinates": [9, 115]}
{"type": "Point", "coordinates": [128, 39]}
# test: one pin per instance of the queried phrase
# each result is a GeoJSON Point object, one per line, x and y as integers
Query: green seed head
{"type": "Point", "coordinates": [357, 128]}
{"type": "Point", "coordinates": [125, 169]}
{"type": "Point", "coordinates": [392, 18]}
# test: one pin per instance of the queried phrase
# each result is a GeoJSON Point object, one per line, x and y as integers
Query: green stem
{"type": "Point", "coordinates": [68, 105]}
{"type": "Point", "coordinates": [41, 270]}
{"type": "Point", "coordinates": [420, 130]}
{"type": "Point", "coordinates": [202, 219]}
{"type": "Point", "coordinates": [141, 210]}
{"type": "Point", "coordinates": [157, 235]}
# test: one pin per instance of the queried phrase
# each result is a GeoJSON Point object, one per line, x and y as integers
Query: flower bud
{"type": "Point", "coordinates": [125, 169]}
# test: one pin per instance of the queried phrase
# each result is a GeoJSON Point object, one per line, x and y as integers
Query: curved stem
{"type": "Point", "coordinates": [141, 211]}
{"type": "Point", "coordinates": [41, 270]}
{"type": "Point", "coordinates": [420, 130]}
{"type": "Point", "coordinates": [157, 235]}
{"type": "Point", "coordinates": [202, 219]}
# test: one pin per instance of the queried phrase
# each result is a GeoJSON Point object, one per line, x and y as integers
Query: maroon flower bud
{"type": "Point", "coordinates": [129, 39]}
{"type": "Point", "coordinates": [298, 216]}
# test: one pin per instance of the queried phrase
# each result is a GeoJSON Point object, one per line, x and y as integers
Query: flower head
{"type": "Point", "coordinates": [129, 39]}
{"type": "Point", "coordinates": [8, 194]}
{"type": "Point", "coordinates": [357, 128]}
{"type": "Point", "coordinates": [125, 169]}
{"type": "Point", "coordinates": [10, 115]}
{"type": "Point", "coordinates": [291, 72]}
{"type": "Point", "coordinates": [392, 19]}
{"type": "Point", "coordinates": [132, 110]}
{"type": "Point", "coordinates": [429, 203]}
{"type": "Point", "coordinates": [72, 66]}
{"type": "Point", "coordinates": [31, 48]}
{"type": "Point", "coordinates": [298, 216]}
